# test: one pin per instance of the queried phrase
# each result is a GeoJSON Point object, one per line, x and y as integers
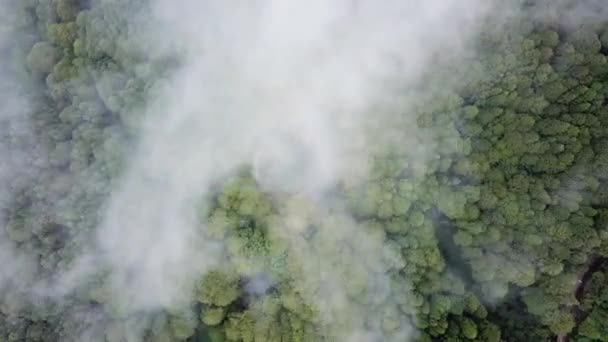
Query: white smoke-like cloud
{"type": "Point", "coordinates": [285, 86]}
{"type": "Point", "coordinates": [17, 148]}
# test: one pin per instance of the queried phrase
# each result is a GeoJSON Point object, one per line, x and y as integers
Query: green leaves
{"type": "Point", "coordinates": [218, 288]}
{"type": "Point", "coordinates": [211, 315]}
{"type": "Point", "coordinates": [451, 202]}
{"type": "Point", "coordinates": [63, 34]}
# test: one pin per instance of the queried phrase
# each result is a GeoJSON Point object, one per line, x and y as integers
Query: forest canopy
{"type": "Point", "coordinates": [470, 202]}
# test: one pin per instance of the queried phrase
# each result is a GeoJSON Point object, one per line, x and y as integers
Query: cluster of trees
{"type": "Point", "coordinates": [495, 237]}
{"type": "Point", "coordinates": [65, 156]}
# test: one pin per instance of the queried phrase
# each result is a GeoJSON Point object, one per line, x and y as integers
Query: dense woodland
{"type": "Point", "coordinates": [502, 236]}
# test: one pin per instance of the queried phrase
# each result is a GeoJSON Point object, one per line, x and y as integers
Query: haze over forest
{"type": "Point", "coordinates": [287, 170]}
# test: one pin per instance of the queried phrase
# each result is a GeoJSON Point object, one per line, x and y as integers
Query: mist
{"type": "Point", "coordinates": [302, 96]}
{"type": "Point", "coordinates": [18, 149]}
{"type": "Point", "coordinates": [289, 89]}
{"type": "Point", "coordinates": [296, 92]}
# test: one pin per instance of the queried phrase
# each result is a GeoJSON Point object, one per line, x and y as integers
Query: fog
{"type": "Point", "coordinates": [289, 88]}
{"type": "Point", "coordinates": [18, 148]}
{"type": "Point", "coordinates": [284, 86]}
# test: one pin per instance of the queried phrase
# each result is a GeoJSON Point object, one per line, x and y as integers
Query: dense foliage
{"type": "Point", "coordinates": [500, 236]}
